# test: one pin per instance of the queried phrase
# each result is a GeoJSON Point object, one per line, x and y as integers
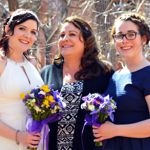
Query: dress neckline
{"type": "Point", "coordinates": [18, 63]}
{"type": "Point", "coordinates": [138, 70]}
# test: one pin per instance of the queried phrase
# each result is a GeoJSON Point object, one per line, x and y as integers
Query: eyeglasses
{"type": "Point", "coordinates": [129, 36]}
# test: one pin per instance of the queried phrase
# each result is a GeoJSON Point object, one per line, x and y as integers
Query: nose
{"type": "Point", "coordinates": [65, 38]}
{"type": "Point", "coordinates": [124, 39]}
{"type": "Point", "coordinates": [27, 34]}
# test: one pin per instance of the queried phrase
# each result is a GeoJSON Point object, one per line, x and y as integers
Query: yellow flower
{"type": "Point", "coordinates": [22, 95]}
{"type": "Point", "coordinates": [28, 92]}
{"type": "Point", "coordinates": [45, 88]}
{"type": "Point", "coordinates": [46, 103]}
{"type": "Point", "coordinates": [50, 98]}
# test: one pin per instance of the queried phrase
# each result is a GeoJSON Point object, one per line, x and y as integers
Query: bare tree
{"type": "Point", "coordinates": [99, 13]}
{"type": "Point", "coordinates": [13, 5]}
{"type": "Point", "coordinates": [43, 16]}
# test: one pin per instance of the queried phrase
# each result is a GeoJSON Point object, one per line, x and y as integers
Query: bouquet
{"type": "Point", "coordinates": [44, 105]}
{"type": "Point", "coordinates": [100, 109]}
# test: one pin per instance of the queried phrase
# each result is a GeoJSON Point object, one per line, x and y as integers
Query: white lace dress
{"type": "Point", "coordinates": [15, 79]}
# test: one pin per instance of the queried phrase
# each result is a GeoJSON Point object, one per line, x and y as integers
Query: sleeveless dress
{"type": "Point", "coordinates": [13, 81]}
{"type": "Point", "coordinates": [129, 89]}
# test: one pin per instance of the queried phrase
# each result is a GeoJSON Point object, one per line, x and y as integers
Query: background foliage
{"type": "Point", "coordinates": [99, 13]}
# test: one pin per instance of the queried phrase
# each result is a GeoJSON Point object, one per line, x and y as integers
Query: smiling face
{"type": "Point", "coordinates": [23, 37]}
{"type": "Point", "coordinates": [129, 48]}
{"type": "Point", "coordinates": [70, 42]}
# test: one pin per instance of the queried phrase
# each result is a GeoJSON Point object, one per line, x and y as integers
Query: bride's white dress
{"type": "Point", "coordinates": [13, 82]}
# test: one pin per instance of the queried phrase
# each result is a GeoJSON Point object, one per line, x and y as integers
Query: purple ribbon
{"type": "Point", "coordinates": [36, 126]}
{"type": "Point", "coordinates": [92, 120]}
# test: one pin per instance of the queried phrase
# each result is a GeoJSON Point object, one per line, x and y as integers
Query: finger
{"type": "Point", "coordinates": [32, 146]}
{"type": "Point", "coordinates": [35, 143]}
{"type": "Point", "coordinates": [95, 127]}
{"type": "Point", "coordinates": [35, 138]}
{"type": "Point", "coordinates": [98, 139]}
{"type": "Point", "coordinates": [37, 135]}
{"type": "Point", "coordinates": [96, 131]}
{"type": "Point", "coordinates": [97, 135]}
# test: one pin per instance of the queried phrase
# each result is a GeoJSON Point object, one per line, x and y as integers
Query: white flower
{"type": "Point", "coordinates": [91, 107]}
{"type": "Point", "coordinates": [32, 95]}
{"type": "Point", "coordinates": [42, 93]}
{"type": "Point", "coordinates": [37, 109]}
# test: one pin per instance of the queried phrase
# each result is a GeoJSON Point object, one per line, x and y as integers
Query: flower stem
{"type": "Point", "coordinates": [98, 144]}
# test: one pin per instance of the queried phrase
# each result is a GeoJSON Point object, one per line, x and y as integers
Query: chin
{"type": "Point", "coordinates": [66, 54]}
{"type": "Point", "coordinates": [24, 49]}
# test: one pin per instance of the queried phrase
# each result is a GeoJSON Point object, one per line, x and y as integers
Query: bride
{"type": "Point", "coordinates": [17, 75]}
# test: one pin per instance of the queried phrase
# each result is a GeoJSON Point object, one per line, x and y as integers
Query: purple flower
{"type": "Point", "coordinates": [43, 101]}
{"type": "Point", "coordinates": [100, 108]}
{"type": "Point", "coordinates": [44, 105]}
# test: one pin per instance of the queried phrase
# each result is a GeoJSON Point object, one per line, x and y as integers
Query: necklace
{"type": "Point", "coordinates": [22, 66]}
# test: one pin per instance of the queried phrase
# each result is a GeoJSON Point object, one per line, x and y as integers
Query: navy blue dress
{"type": "Point", "coordinates": [128, 90]}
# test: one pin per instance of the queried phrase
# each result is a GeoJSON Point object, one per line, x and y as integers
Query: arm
{"type": "Point", "coordinates": [7, 132]}
{"type": "Point", "coordinates": [2, 64]}
{"type": "Point", "coordinates": [18, 136]}
{"type": "Point", "coordinates": [24, 138]}
{"type": "Point", "coordinates": [135, 130]}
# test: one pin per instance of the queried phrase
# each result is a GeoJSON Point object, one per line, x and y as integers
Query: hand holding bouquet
{"type": "Point", "coordinates": [100, 109]}
{"type": "Point", "coordinates": [44, 105]}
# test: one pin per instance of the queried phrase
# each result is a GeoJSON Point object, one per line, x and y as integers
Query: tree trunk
{"type": "Point", "coordinates": [43, 16]}
{"type": "Point", "coordinates": [13, 5]}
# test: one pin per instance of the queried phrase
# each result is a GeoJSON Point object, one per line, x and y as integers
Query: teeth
{"type": "Point", "coordinates": [126, 48]}
{"type": "Point", "coordinates": [23, 41]}
{"type": "Point", "coordinates": [66, 46]}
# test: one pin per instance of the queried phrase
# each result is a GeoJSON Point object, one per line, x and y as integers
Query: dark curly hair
{"type": "Point", "coordinates": [138, 20]}
{"type": "Point", "coordinates": [91, 65]}
{"type": "Point", "coordinates": [19, 16]}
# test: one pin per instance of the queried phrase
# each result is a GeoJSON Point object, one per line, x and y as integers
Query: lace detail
{"type": "Point", "coordinates": [71, 93]}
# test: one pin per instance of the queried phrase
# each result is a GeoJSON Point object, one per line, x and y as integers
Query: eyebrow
{"type": "Point", "coordinates": [73, 31]}
{"type": "Point", "coordinates": [70, 31]}
{"type": "Point", "coordinates": [128, 31]}
{"type": "Point", "coordinates": [27, 27]}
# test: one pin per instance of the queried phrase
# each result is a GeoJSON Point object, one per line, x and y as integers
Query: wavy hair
{"type": "Point", "coordinates": [138, 20]}
{"type": "Point", "coordinates": [91, 65]}
{"type": "Point", "coordinates": [19, 16]}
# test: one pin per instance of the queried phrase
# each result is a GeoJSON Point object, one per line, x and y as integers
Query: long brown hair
{"type": "Point", "coordinates": [91, 66]}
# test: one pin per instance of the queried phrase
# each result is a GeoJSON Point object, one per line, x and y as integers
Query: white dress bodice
{"type": "Point", "coordinates": [13, 82]}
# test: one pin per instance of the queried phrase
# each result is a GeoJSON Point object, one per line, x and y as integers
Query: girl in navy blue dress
{"type": "Point", "coordinates": [130, 88]}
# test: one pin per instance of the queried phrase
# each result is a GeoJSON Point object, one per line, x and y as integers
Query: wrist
{"type": "Point", "coordinates": [118, 130]}
{"type": "Point", "coordinates": [17, 137]}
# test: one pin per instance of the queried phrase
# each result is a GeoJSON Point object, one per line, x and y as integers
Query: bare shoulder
{"type": "Point", "coordinates": [3, 62]}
